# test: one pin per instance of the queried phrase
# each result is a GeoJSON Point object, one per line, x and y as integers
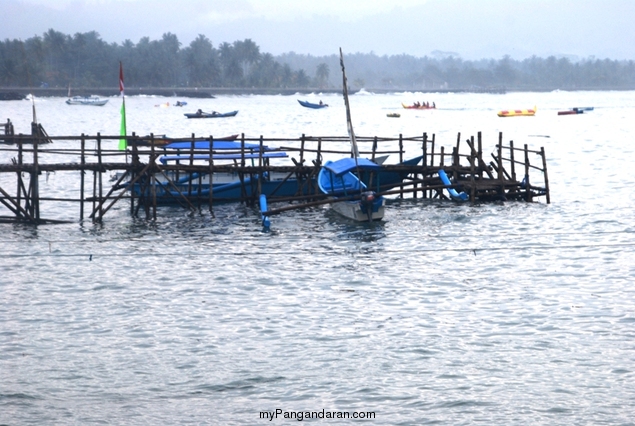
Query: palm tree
{"type": "Point", "coordinates": [247, 53]}
{"type": "Point", "coordinates": [201, 61]}
{"type": "Point", "coordinates": [322, 74]}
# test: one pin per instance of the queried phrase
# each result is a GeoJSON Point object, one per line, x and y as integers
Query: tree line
{"type": "Point", "coordinates": [85, 60]}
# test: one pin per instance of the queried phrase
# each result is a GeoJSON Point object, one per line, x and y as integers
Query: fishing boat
{"type": "Point", "coordinates": [573, 111]}
{"type": "Point", "coordinates": [352, 198]}
{"type": "Point", "coordinates": [172, 186]}
{"type": "Point", "coordinates": [213, 114]}
{"type": "Point", "coordinates": [86, 100]}
{"type": "Point", "coordinates": [311, 105]}
{"type": "Point", "coordinates": [421, 106]}
{"type": "Point", "coordinates": [518, 112]}
{"type": "Point", "coordinates": [341, 180]}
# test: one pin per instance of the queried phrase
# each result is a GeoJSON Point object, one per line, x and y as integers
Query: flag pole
{"type": "Point", "coordinates": [122, 131]}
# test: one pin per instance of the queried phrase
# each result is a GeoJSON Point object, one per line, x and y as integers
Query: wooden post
{"type": "Point", "coordinates": [374, 148]}
{"type": "Point", "coordinates": [20, 182]}
{"type": "Point", "coordinates": [473, 170]}
{"type": "Point", "coordinates": [191, 163]}
{"type": "Point", "coordinates": [458, 144]}
{"type": "Point", "coordinates": [401, 187]}
{"type": "Point", "coordinates": [261, 151]}
{"type": "Point", "coordinates": [101, 176]}
{"type": "Point", "coordinates": [35, 181]}
{"type": "Point", "coordinates": [432, 159]}
{"type": "Point", "coordinates": [479, 155]}
{"type": "Point", "coordinates": [302, 141]}
{"type": "Point", "coordinates": [501, 176]}
{"type": "Point", "coordinates": [153, 182]}
{"type": "Point", "coordinates": [241, 175]}
{"type": "Point", "coordinates": [133, 173]}
{"type": "Point", "coordinates": [211, 175]}
{"type": "Point", "coordinates": [511, 159]}
{"type": "Point", "coordinates": [81, 177]}
{"type": "Point", "coordinates": [527, 184]}
{"type": "Point", "coordinates": [455, 163]}
{"type": "Point", "coordinates": [544, 170]}
{"type": "Point", "coordinates": [424, 163]}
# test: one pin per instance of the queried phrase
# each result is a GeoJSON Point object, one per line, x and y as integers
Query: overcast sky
{"type": "Point", "coordinates": [472, 29]}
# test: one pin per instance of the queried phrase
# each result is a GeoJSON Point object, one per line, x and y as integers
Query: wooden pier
{"type": "Point", "coordinates": [102, 175]}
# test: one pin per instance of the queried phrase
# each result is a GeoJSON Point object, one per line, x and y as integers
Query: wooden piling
{"type": "Point", "coordinates": [546, 177]}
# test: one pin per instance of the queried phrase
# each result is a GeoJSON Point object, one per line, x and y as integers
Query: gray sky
{"type": "Point", "coordinates": [473, 29]}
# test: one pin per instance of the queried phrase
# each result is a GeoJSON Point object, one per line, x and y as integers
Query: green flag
{"type": "Point", "coordinates": [122, 132]}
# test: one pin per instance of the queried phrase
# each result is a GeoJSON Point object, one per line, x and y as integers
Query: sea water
{"type": "Point", "coordinates": [443, 313]}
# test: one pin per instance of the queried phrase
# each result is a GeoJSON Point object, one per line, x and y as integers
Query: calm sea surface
{"type": "Point", "coordinates": [498, 314]}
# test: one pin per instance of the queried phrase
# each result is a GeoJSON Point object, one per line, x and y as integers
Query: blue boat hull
{"type": "Point", "coordinates": [310, 105]}
{"type": "Point", "coordinates": [228, 192]}
{"type": "Point", "coordinates": [211, 115]}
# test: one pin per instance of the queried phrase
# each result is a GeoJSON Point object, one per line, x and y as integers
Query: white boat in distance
{"type": "Point", "coordinates": [86, 100]}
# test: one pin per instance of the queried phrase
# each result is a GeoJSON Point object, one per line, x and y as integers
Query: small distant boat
{"type": "Point", "coordinates": [86, 100]}
{"type": "Point", "coordinates": [518, 112]}
{"type": "Point", "coordinates": [393, 114]}
{"type": "Point", "coordinates": [574, 111]}
{"type": "Point", "coordinates": [213, 114]}
{"type": "Point", "coordinates": [422, 106]}
{"type": "Point", "coordinates": [571, 112]}
{"type": "Point", "coordinates": [180, 103]}
{"type": "Point", "coordinates": [310, 105]}
{"type": "Point", "coordinates": [163, 105]}
{"type": "Point", "coordinates": [351, 197]}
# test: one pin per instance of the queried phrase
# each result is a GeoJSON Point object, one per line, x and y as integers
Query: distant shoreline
{"type": "Point", "coordinates": [18, 93]}
{"type": "Point", "coordinates": [21, 92]}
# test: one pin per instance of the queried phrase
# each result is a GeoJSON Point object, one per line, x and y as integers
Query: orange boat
{"type": "Point", "coordinates": [518, 112]}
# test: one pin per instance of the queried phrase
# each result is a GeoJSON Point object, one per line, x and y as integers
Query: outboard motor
{"type": "Point", "coordinates": [367, 200]}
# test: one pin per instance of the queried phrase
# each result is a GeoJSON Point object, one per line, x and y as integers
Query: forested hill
{"type": "Point", "coordinates": [84, 60]}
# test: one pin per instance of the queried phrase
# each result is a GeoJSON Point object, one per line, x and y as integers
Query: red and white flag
{"type": "Point", "coordinates": [121, 78]}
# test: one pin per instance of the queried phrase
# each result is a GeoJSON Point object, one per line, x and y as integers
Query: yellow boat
{"type": "Point", "coordinates": [518, 112]}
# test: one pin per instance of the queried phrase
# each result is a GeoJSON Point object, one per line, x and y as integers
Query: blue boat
{"type": "Point", "coordinates": [213, 114]}
{"type": "Point", "coordinates": [351, 197]}
{"type": "Point", "coordinates": [172, 186]}
{"type": "Point", "coordinates": [231, 186]}
{"type": "Point", "coordinates": [311, 105]}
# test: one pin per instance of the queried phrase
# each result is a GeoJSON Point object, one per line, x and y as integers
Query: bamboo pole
{"type": "Point", "coordinates": [82, 161]}
{"type": "Point", "coordinates": [211, 174]}
{"type": "Point", "coordinates": [544, 168]}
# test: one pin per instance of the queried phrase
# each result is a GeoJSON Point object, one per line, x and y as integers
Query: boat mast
{"type": "Point", "coordinates": [349, 123]}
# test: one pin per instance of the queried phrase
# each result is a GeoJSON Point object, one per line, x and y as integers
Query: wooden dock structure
{"type": "Point", "coordinates": [103, 175]}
